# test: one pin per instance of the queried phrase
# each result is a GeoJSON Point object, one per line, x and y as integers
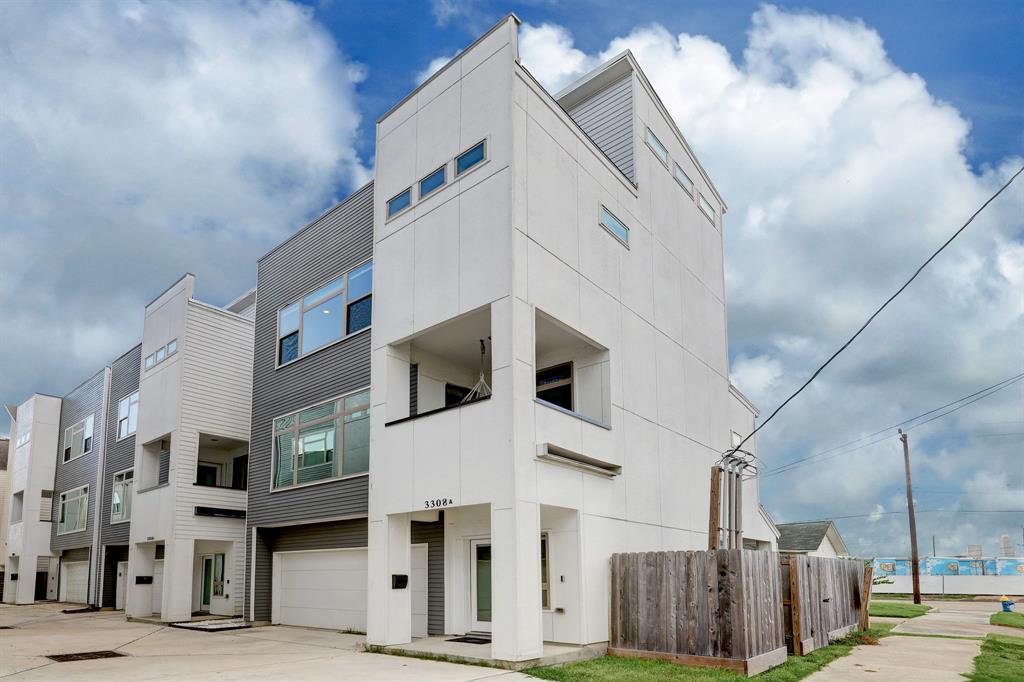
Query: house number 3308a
{"type": "Point", "coordinates": [435, 504]}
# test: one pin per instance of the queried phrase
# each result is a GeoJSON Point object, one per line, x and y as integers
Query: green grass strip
{"type": "Point", "coordinates": [1001, 660]}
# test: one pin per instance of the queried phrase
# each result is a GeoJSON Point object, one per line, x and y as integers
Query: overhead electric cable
{"type": "Point", "coordinates": [925, 511]}
{"type": "Point", "coordinates": [880, 309]}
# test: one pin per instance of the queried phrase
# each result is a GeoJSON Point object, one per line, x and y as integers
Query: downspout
{"type": "Point", "coordinates": [96, 562]}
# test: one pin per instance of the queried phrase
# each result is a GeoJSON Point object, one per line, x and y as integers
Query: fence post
{"type": "Point", "coordinates": [714, 517]}
{"type": "Point", "coordinates": [794, 596]}
{"type": "Point", "coordinates": [865, 621]}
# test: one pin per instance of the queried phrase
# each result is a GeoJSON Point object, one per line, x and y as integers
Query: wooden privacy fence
{"type": "Point", "coordinates": [824, 599]}
{"type": "Point", "coordinates": [719, 608]}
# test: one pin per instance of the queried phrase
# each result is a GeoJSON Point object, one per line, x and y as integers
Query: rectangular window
{"type": "Point", "coordinates": [554, 385]}
{"type": "Point", "coordinates": [683, 179]}
{"type": "Point", "coordinates": [74, 510]}
{"type": "Point", "coordinates": [307, 444]}
{"type": "Point", "coordinates": [161, 354]}
{"type": "Point", "coordinates": [17, 506]}
{"type": "Point", "coordinates": [707, 208]}
{"type": "Point", "coordinates": [433, 181]}
{"type": "Point", "coordinates": [545, 581]}
{"type": "Point", "coordinates": [657, 147]}
{"type": "Point", "coordinates": [46, 506]}
{"type": "Point", "coordinates": [614, 225]}
{"type": "Point", "coordinates": [127, 415]}
{"type": "Point", "coordinates": [341, 307]}
{"type": "Point", "coordinates": [78, 439]}
{"type": "Point", "coordinates": [399, 202]}
{"type": "Point", "coordinates": [121, 496]}
{"type": "Point", "coordinates": [471, 157]}
{"type": "Point", "coordinates": [172, 346]}
{"type": "Point", "coordinates": [218, 575]}
{"type": "Point", "coordinates": [22, 439]}
{"type": "Point", "coordinates": [454, 394]}
{"type": "Point", "coordinates": [150, 361]}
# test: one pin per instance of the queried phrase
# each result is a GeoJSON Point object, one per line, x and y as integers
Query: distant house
{"type": "Point", "coordinates": [815, 538]}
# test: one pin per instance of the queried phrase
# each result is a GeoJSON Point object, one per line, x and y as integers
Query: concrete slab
{"type": "Point", "coordinates": [442, 648]}
{"type": "Point", "coordinates": [922, 659]}
{"type": "Point", "coordinates": [156, 652]}
{"type": "Point", "coordinates": [961, 619]}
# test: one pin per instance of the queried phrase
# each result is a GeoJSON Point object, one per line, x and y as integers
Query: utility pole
{"type": "Point", "coordinates": [916, 570]}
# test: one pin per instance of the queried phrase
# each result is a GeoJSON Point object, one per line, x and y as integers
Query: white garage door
{"type": "Point", "coordinates": [74, 581]}
{"type": "Point", "coordinates": [320, 589]}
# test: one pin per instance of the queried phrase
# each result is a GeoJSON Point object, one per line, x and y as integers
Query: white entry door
{"type": "Point", "coordinates": [480, 584]}
{"type": "Point", "coordinates": [122, 579]}
{"type": "Point", "coordinates": [74, 581]}
{"type": "Point", "coordinates": [158, 586]}
{"type": "Point", "coordinates": [418, 587]}
{"type": "Point", "coordinates": [320, 589]}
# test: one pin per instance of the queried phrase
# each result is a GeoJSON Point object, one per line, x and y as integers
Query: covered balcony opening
{"type": "Point", "coordinates": [155, 463]}
{"type": "Point", "coordinates": [447, 366]}
{"type": "Point", "coordinates": [222, 462]}
{"type": "Point", "coordinates": [573, 372]}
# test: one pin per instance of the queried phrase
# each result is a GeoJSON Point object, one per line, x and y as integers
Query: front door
{"type": "Point", "coordinates": [480, 585]}
{"type": "Point", "coordinates": [122, 577]}
{"type": "Point", "coordinates": [207, 582]}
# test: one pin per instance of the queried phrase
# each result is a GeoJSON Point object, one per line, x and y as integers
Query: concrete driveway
{"type": "Point", "coordinates": [154, 652]}
{"type": "Point", "coordinates": [939, 657]}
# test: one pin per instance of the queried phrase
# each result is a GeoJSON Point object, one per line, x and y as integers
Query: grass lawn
{"type": "Point", "coordinates": [1014, 620]}
{"type": "Point", "coordinates": [1001, 660]}
{"type": "Point", "coordinates": [895, 609]}
{"type": "Point", "coordinates": [618, 669]}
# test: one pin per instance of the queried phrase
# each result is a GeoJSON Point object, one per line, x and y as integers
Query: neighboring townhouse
{"type": "Point", "coordinates": [547, 362]}
{"type": "Point", "coordinates": [31, 568]}
{"type": "Point", "coordinates": [187, 532]}
{"type": "Point", "coordinates": [813, 538]}
{"type": "Point", "coordinates": [76, 488]}
{"type": "Point", "coordinates": [5, 506]}
{"type": "Point", "coordinates": [118, 479]}
{"type": "Point", "coordinates": [759, 529]}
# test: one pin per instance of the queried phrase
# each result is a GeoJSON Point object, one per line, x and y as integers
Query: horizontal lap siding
{"type": "Point", "coordinates": [120, 454]}
{"type": "Point", "coordinates": [607, 118]}
{"type": "Point", "coordinates": [85, 400]}
{"type": "Point", "coordinates": [433, 535]}
{"type": "Point", "coordinates": [332, 244]}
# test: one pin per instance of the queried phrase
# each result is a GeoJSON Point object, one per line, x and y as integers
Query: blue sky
{"type": "Point", "coordinates": [969, 53]}
{"type": "Point", "coordinates": [848, 139]}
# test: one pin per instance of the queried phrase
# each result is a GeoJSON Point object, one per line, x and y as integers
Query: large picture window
{"type": "Point", "coordinates": [127, 415]}
{"type": "Point", "coordinates": [74, 510]}
{"type": "Point", "coordinates": [335, 310]}
{"type": "Point", "coordinates": [323, 442]}
{"type": "Point", "coordinates": [121, 496]}
{"type": "Point", "coordinates": [78, 439]}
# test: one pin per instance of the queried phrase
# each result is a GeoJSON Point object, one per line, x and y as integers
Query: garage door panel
{"type": "Point", "coordinates": [322, 589]}
{"type": "Point", "coordinates": [324, 618]}
{"type": "Point", "coordinates": [75, 581]}
{"type": "Point", "coordinates": [321, 580]}
{"type": "Point", "coordinates": [353, 600]}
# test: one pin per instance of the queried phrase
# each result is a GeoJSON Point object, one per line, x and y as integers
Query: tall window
{"type": "Point", "coordinates": [554, 385]}
{"type": "Point", "coordinates": [74, 510]}
{"type": "Point", "coordinates": [340, 307]}
{"type": "Point", "coordinates": [127, 415]}
{"type": "Point", "coordinates": [121, 496]}
{"type": "Point", "coordinates": [323, 442]}
{"type": "Point", "coordinates": [46, 506]}
{"type": "Point", "coordinates": [545, 570]}
{"type": "Point", "coordinates": [78, 439]}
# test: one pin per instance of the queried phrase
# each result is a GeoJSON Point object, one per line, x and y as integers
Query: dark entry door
{"type": "Point", "coordinates": [42, 579]}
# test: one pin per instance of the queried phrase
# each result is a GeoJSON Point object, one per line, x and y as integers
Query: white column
{"type": "Point", "coordinates": [138, 599]}
{"type": "Point", "coordinates": [25, 587]}
{"type": "Point", "coordinates": [176, 604]}
{"type": "Point", "coordinates": [389, 615]}
{"type": "Point", "coordinates": [517, 631]}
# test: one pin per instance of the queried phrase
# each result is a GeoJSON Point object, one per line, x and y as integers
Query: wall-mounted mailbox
{"type": "Point", "coordinates": [143, 580]}
{"type": "Point", "coordinates": [399, 581]}
{"type": "Point", "coordinates": [14, 576]}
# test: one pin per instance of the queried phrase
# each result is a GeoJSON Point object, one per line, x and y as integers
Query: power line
{"type": "Point", "coordinates": [974, 397]}
{"type": "Point", "coordinates": [919, 511]}
{"type": "Point", "coordinates": [880, 309]}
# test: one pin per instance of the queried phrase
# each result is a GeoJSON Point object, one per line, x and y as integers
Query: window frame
{"type": "Point", "coordinates": [456, 173]}
{"type": "Point", "coordinates": [303, 308]}
{"type": "Point", "coordinates": [571, 381]}
{"type": "Point", "coordinates": [161, 354]}
{"type": "Point", "coordinates": [707, 208]}
{"type": "Point", "coordinates": [675, 173]}
{"type": "Point", "coordinates": [648, 136]}
{"type": "Point", "coordinates": [339, 447]}
{"type": "Point", "coordinates": [388, 215]}
{"type": "Point", "coordinates": [545, 571]}
{"type": "Point", "coordinates": [88, 425]}
{"type": "Point", "coordinates": [64, 499]}
{"type": "Point", "coordinates": [114, 484]}
{"type": "Point", "coordinates": [610, 230]}
{"type": "Point", "coordinates": [133, 399]}
{"type": "Point", "coordinates": [443, 169]}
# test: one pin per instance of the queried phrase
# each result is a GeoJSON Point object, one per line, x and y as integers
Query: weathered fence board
{"type": "Point", "coordinates": [823, 600]}
{"type": "Point", "coordinates": [719, 608]}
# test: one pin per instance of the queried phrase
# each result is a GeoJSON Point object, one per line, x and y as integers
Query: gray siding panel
{"type": "Point", "coordinates": [607, 118]}
{"type": "Point", "coordinates": [433, 535]}
{"type": "Point", "coordinates": [85, 400]}
{"type": "Point", "coordinates": [120, 454]}
{"type": "Point", "coordinates": [77, 554]}
{"type": "Point", "coordinates": [335, 242]}
{"type": "Point", "coordinates": [331, 535]}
